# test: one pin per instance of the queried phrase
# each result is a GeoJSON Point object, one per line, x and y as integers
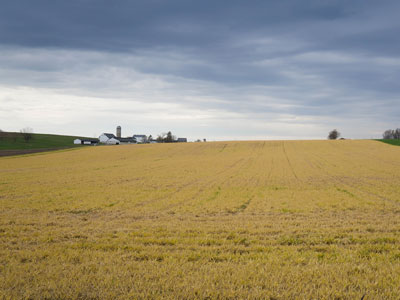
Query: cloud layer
{"type": "Point", "coordinates": [247, 70]}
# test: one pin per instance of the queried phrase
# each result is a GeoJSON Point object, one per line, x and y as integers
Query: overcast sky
{"type": "Point", "coordinates": [221, 70]}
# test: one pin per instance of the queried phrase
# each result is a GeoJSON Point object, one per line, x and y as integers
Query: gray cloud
{"type": "Point", "coordinates": [269, 66]}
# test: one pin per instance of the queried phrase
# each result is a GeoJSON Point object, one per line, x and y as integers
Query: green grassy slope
{"type": "Point", "coordinates": [391, 142]}
{"type": "Point", "coordinates": [11, 141]}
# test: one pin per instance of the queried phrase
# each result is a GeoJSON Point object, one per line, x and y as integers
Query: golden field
{"type": "Point", "coordinates": [223, 220]}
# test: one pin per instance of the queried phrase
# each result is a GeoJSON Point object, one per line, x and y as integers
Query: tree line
{"type": "Point", "coordinates": [26, 133]}
{"type": "Point", "coordinates": [166, 138]}
{"type": "Point", "coordinates": [392, 134]}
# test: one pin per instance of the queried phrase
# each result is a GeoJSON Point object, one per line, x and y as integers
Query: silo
{"type": "Point", "coordinates": [119, 131]}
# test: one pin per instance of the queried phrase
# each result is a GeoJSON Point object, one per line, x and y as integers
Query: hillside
{"type": "Point", "coordinates": [15, 141]}
{"type": "Point", "coordinates": [391, 142]}
{"type": "Point", "coordinates": [221, 220]}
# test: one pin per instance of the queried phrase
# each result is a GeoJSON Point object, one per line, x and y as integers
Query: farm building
{"type": "Point", "coordinates": [140, 138]}
{"type": "Point", "coordinates": [182, 140]}
{"type": "Point", "coordinates": [105, 137]}
{"type": "Point", "coordinates": [86, 141]}
{"type": "Point", "coordinates": [111, 139]}
{"type": "Point", "coordinates": [90, 141]}
{"type": "Point", "coordinates": [127, 140]}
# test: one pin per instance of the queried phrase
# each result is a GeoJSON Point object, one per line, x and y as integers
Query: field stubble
{"type": "Point", "coordinates": [226, 220]}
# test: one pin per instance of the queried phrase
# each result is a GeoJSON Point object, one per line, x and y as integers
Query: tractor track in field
{"type": "Point", "coordinates": [366, 154]}
{"type": "Point", "coordinates": [342, 182]}
{"type": "Point", "coordinates": [191, 183]}
{"type": "Point", "coordinates": [223, 147]}
{"type": "Point", "coordinates": [288, 160]}
{"type": "Point", "coordinates": [204, 185]}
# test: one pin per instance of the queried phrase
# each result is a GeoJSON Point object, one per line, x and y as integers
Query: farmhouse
{"type": "Point", "coordinates": [111, 139]}
{"type": "Point", "coordinates": [106, 137]}
{"type": "Point", "coordinates": [140, 138]}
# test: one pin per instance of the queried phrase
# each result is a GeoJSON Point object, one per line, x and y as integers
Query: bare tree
{"type": "Point", "coordinates": [166, 137]}
{"type": "Point", "coordinates": [391, 134]}
{"type": "Point", "coordinates": [388, 134]}
{"type": "Point", "coordinates": [334, 134]}
{"type": "Point", "coordinates": [169, 138]}
{"type": "Point", "coordinates": [27, 133]}
{"type": "Point", "coordinates": [161, 137]}
{"type": "Point", "coordinates": [396, 134]}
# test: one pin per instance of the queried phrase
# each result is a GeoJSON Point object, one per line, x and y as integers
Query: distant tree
{"type": "Point", "coordinates": [150, 138]}
{"type": "Point", "coordinates": [166, 137]}
{"type": "Point", "coordinates": [396, 134]}
{"type": "Point", "coordinates": [204, 140]}
{"type": "Point", "coordinates": [198, 141]}
{"type": "Point", "coordinates": [161, 137]}
{"type": "Point", "coordinates": [388, 134]}
{"type": "Point", "coordinates": [391, 134]}
{"type": "Point", "coordinates": [27, 133]}
{"type": "Point", "coordinates": [169, 138]}
{"type": "Point", "coordinates": [334, 134]}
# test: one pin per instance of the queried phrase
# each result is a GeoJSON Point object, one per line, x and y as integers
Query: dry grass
{"type": "Point", "coordinates": [232, 220]}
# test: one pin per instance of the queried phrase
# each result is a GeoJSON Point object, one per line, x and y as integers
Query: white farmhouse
{"type": "Point", "coordinates": [140, 138]}
{"type": "Point", "coordinates": [105, 137]}
{"type": "Point", "coordinates": [110, 139]}
{"type": "Point", "coordinates": [77, 141]}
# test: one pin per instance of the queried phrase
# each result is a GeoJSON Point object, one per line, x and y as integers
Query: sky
{"type": "Point", "coordinates": [220, 70]}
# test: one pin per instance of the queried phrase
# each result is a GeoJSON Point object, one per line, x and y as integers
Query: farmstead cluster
{"type": "Point", "coordinates": [111, 139]}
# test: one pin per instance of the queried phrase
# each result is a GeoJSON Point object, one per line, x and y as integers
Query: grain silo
{"type": "Point", "coordinates": [119, 131]}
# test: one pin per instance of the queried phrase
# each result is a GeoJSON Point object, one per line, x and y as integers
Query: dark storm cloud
{"type": "Point", "coordinates": [136, 23]}
{"type": "Point", "coordinates": [125, 25]}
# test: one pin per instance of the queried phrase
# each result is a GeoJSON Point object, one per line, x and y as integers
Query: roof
{"type": "Point", "coordinates": [126, 139]}
{"type": "Point", "coordinates": [139, 136]}
{"type": "Point", "coordinates": [109, 135]}
{"type": "Point", "coordinates": [90, 140]}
